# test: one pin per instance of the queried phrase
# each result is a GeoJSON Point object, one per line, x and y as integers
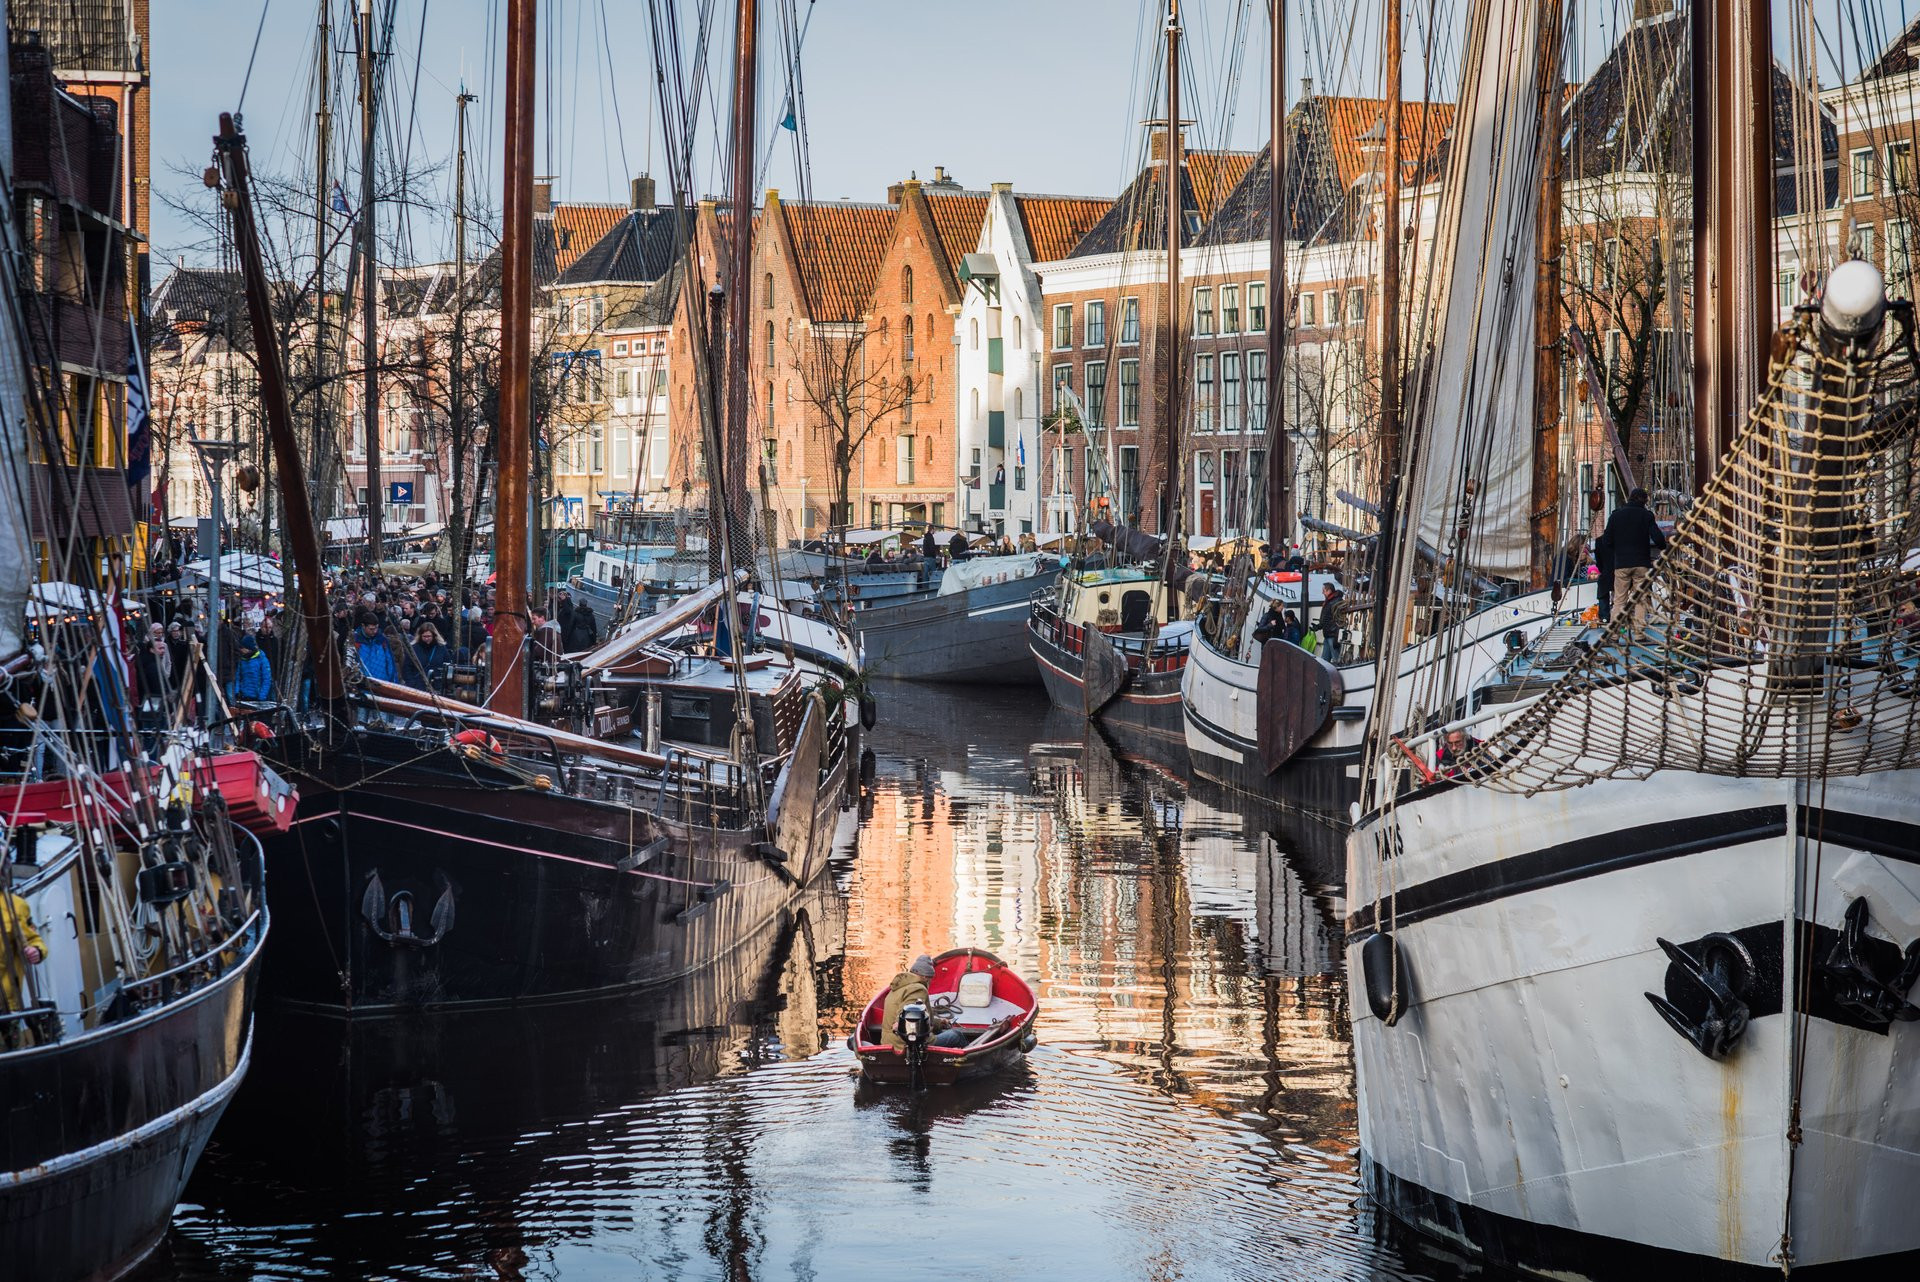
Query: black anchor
{"type": "Point", "coordinates": [1723, 973]}
{"type": "Point", "coordinates": [1855, 984]}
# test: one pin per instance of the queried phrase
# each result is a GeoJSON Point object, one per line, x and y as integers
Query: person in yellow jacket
{"type": "Point", "coordinates": [20, 947]}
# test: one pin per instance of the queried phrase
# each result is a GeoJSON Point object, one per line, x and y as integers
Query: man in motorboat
{"type": "Point", "coordinates": [909, 988]}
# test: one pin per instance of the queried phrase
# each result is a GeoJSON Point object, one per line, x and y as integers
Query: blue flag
{"type": "Point", "coordinates": [139, 430]}
{"type": "Point", "coordinates": [338, 200]}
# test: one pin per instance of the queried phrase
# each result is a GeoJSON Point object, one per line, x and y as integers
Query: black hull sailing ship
{"type": "Point", "coordinates": [613, 819]}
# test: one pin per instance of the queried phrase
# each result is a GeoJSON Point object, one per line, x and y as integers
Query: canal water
{"type": "Point", "coordinates": [1188, 1113]}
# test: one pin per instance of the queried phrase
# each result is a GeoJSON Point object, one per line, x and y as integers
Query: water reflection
{"type": "Point", "coordinates": [1188, 1113]}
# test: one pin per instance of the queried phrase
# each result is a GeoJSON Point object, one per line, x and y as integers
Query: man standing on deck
{"type": "Point", "coordinates": [1632, 538]}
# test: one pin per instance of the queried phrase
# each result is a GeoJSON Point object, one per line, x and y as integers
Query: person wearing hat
{"type": "Point", "coordinates": [252, 680]}
{"type": "Point", "coordinates": [908, 987]}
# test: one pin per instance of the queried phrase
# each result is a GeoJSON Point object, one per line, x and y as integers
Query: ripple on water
{"type": "Point", "coordinates": [1188, 1114]}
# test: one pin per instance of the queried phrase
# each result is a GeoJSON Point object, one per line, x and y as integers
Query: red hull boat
{"type": "Point", "coordinates": [972, 990]}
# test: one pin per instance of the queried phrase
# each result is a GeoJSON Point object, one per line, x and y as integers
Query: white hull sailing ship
{"type": "Point", "coordinates": [1636, 954]}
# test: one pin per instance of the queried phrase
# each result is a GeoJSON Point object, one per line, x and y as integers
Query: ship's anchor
{"type": "Point", "coordinates": [1723, 971]}
{"type": "Point", "coordinates": [392, 918]}
{"type": "Point", "coordinates": [1855, 983]}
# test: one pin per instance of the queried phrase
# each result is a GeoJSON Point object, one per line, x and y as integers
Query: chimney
{"type": "Point", "coordinates": [1003, 187]}
{"type": "Point", "coordinates": [640, 194]}
{"type": "Point", "coordinates": [1306, 88]}
{"type": "Point", "coordinates": [1650, 10]}
{"type": "Point", "coordinates": [543, 196]}
{"type": "Point", "coordinates": [896, 191]}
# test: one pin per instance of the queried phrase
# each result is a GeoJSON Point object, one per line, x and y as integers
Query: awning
{"type": "Point", "coordinates": [240, 571]}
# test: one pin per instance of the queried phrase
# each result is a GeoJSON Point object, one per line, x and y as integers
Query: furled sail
{"type": "Point", "coordinates": [16, 544]}
{"type": "Point", "coordinates": [1471, 482]}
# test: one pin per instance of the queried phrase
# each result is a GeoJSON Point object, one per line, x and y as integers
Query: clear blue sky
{"type": "Point", "coordinates": [1046, 94]}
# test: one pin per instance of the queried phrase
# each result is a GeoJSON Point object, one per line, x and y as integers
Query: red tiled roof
{"type": "Point", "coordinates": [959, 219]}
{"type": "Point", "coordinates": [839, 245]}
{"type": "Point", "coordinates": [1423, 128]}
{"type": "Point", "coordinates": [1212, 174]}
{"type": "Point", "coordinates": [578, 228]}
{"type": "Point", "coordinates": [1055, 224]}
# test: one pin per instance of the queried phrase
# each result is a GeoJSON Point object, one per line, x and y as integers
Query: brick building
{"type": "Point", "coordinates": [75, 308]}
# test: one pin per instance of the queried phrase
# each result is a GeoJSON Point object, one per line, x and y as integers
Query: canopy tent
{"type": "Point", "coordinates": [53, 598]}
{"type": "Point", "coordinates": [183, 523]}
{"type": "Point", "coordinates": [239, 571]}
{"type": "Point", "coordinates": [348, 529]}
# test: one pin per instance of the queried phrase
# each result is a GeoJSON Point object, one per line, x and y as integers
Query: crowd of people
{"type": "Point", "coordinates": [427, 632]}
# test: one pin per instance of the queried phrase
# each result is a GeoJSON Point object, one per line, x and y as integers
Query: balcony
{"type": "Point", "coordinates": [996, 429]}
{"type": "Point", "coordinates": [996, 356]}
{"type": "Point", "coordinates": [997, 497]}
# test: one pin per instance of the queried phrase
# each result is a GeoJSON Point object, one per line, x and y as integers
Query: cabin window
{"type": "Point", "coordinates": [1135, 609]}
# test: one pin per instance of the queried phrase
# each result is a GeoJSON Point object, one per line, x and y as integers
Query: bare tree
{"type": "Point", "coordinates": [853, 397]}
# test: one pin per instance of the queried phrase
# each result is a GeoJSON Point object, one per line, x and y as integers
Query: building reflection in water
{"type": "Point", "coordinates": [1187, 1114]}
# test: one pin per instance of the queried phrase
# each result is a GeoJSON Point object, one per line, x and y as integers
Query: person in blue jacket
{"type": "Point", "coordinates": [373, 650]}
{"type": "Point", "coordinates": [252, 675]}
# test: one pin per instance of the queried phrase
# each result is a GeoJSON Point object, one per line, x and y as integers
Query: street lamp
{"type": "Point", "coordinates": [214, 455]}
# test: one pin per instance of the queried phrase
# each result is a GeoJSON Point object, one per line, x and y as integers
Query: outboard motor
{"type": "Point", "coordinates": [916, 1030]}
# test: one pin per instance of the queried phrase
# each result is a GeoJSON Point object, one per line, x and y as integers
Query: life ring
{"type": "Point", "coordinates": [1385, 973]}
{"type": "Point", "coordinates": [472, 743]}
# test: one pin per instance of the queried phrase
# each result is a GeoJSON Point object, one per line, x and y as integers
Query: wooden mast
{"type": "Point", "coordinates": [1279, 313]}
{"type": "Point", "coordinates": [369, 310]}
{"type": "Point", "coordinates": [230, 146]}
{"type": "Point", "coordinates": [514, 432]}
{"type": "Point", "coordinates": [1732, 219]}
{"type": "Point", "coordinates": [456, 535]}
{"type": "Point", "coordinates": [1546, 305]}
{"type": "Point", "coordinates": [733, 466]}
{"type": "Point", "coordinates": [1175, 368]}
{"type": "Point", "coordinates": [1389, 231]}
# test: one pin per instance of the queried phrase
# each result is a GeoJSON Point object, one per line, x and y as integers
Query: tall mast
{"type": "Point", "coordinates": [1175, 371]}
{"type": "Point", "coordinates": [513, 434]}
{"type": "Point", "coordinates": [369, 350]}
{"type": "Point", "coordinates": [230, 149]}
{"type": "Point", "coordinates": [1390, 216]}
{"type": "Point", "coordinates": [456, 379]}
{"type": "Point", "coordinates": [1279, 465]}
{"type": "Point", "coordinates": [733, 468]}
{"type": "Point", "coordinates": [1546, 305]}
{"type": "Point", "coordinates": [1732, 219]}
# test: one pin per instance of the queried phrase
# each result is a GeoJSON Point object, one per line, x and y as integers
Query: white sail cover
{"type": "Point", "coordinates": [16, 545]}
{"type": "Point", "coordinates": [1473, 407]}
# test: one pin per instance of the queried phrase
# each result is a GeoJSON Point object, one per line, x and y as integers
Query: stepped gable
{"type": "Point", "coordinates": [1055, 224]}
{"type": "Point", "coordinates": [838, 246]}
{"type": "Point", "coordinates": [639, 247]}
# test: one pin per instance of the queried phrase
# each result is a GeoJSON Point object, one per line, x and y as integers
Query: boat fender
{"type": "Point", "coordinates": [1385, 972]}
{"type": "Point", "coordinates": [1027, 1044]}
{"type": "Point", "coordinates": [869, 712]}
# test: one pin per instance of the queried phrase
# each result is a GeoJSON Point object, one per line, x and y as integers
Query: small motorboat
{"type": "Point", "coordinates": [970, 990]}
